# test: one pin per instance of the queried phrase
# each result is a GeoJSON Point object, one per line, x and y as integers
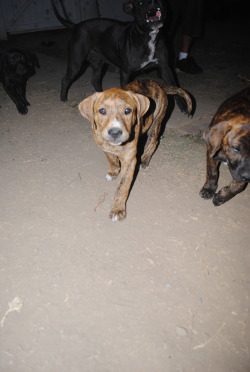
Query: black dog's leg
{"type": "Point", "coordinates": [66, 82]}
{"type": "Point", "coordinates": [21, 89]}
{"type": "Point", "coordinates": [167, 76]}
{"type": "Point", "coordinates": [98, 70]}
{"type": "Point", "coordinates": [77, 63]}
{"type": "Point", "coordinates": [13, 94]}
{"type": "Point", "coordinates": [125, 78]}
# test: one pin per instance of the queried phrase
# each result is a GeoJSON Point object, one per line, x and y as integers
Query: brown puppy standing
{"type": "Point", "coordinates": [118, 118]}
{"type": "Point", "coordinates": [228, 140]}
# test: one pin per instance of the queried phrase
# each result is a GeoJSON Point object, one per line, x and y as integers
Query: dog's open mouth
{"type": "Point", "coordinates": [153, 15]}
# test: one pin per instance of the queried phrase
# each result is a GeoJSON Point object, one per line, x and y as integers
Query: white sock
{"type": "Point", "coordinates": [182, 55]}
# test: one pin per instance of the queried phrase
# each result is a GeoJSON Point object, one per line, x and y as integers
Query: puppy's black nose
{"type": "Point", "coordinates": [246, 178]}
{"type": "Point", "coordinates": [115, 132]}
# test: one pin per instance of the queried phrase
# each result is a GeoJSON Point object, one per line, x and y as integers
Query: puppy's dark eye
{"type": "Point", "coordinates": [102, 111]}
{"type": "Point", "coordinates": [236, 149]}
{"type": "Point", "coordinates": [127, 111]}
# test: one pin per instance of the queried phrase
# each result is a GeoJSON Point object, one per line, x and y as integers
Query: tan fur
{"type": "Point", "coordinates": [133, 111]}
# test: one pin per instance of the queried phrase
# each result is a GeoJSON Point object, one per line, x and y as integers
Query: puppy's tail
{"type": "Point", "coordinates": [64, 21]}
{"type": "Point", "coordinates": [173, 90]}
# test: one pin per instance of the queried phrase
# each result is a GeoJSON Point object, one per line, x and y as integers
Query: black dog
{"type": "Point", "coordinates": [16, 67]}
{"type": "Point", "coordinates": [132, 46]}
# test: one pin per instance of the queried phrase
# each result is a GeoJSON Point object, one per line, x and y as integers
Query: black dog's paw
{"type": "Point", "coordinates": [207, 193]}
{"type": "Point", "coordinates": [63, 97]}
{"type": "Point", "coordinates": [22, 110]}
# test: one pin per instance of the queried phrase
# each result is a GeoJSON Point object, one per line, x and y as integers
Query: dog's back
{"type": "Point", "coordinates": [157, 92]}
{"type": "Point", "coordinates": [235, 109]}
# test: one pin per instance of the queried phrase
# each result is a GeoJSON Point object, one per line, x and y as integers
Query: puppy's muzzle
{"type": "Point", "coordinates": [241, 174]}
{"type": "Point", "coordinates": [115, 136]}
{"type": "Point", "coordinates": [245, 176]}
{"type": "Point", "coordinates": [21, 69]}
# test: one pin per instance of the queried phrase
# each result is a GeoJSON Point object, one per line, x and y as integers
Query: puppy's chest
{"type": "Point", "coordinates": [149, 55]}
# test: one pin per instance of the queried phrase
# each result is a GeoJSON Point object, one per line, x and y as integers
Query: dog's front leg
{"type": "Point", "coordinates": [228, 192]}
{"type": "Point", "coordinates": [212, 176]}
{"type": "Point", "coordinates": [114, 166]}
{"type": "Point", "coordinates": [13, 94]}
{"type": "Point", "coordinates": [21, 88]}
{"type": "Point", "coordinates": [118, 210]}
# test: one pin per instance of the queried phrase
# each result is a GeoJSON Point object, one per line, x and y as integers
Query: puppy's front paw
{"type": "Point", "coordinates": [206, 193]}
{"type": "Point", "coordinates": [218, 200]}
{"type": "Point", "coordinates": [112, 175]}
{"type": "Point", "coordinates": [109, 177]}
{"type": "Point", "coordinates": [117, 214]}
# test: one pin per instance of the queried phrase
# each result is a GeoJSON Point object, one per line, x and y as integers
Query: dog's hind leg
{"type": "Point", "coordinates": [125, 78]}
{"type": "Point", "coordinates": [77, 64]}
{"type": "Point", "coordinates": [153, 138]}
{"type": "Point", "coordinates": [73, 72]}
{"type": "Point", "coordinates": [168, 77]}
{"type": "Point", "coordinates": [98, 69]}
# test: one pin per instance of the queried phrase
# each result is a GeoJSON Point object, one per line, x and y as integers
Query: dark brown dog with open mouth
{"type": "Point", "coordinates": [228, 141]}
{"type": "Point", "coordinates": [118, 118]}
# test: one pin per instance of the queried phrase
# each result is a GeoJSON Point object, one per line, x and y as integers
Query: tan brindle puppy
{"type": "Point", "coordinates": [228, 141]}
{"type": "Point", "coordinates": [118, 118]}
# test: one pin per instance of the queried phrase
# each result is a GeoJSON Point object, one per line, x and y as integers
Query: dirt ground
{"type": "Point", "coordinates": [167, 290]}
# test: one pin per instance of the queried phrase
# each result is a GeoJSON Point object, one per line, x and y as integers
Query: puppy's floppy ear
{"type": "Point", "coordinates": [128, 7]}
{"type": "Point", "coordinates": [143, 103]}
{"type": "Point", "coordinates": [214, 136]}
{"type": "Point", "coordinates": [86, 106]}
{"type": "Point", "coordinates": [31, 59]}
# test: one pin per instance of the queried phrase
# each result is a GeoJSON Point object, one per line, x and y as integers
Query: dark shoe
{"type": "Point", "coordinates": [188, 65]}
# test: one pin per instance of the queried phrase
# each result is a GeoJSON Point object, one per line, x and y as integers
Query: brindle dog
{"type": "Point", "coordinates": [228, 141]}
{"type": "Point", "coordinates": [119, 117]}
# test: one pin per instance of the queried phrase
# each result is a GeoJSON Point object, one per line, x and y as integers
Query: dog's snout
{"type": "Point", "coordinates": [115, 132]}
{"type": "Point", "coordinates": [245, 176]}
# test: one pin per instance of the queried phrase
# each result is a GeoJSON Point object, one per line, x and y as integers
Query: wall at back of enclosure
{"type": "Point", "coordinates": [19, 16]}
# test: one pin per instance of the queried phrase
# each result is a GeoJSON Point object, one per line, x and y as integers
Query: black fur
{"type": "Point", "coordinates": [16, 67]}
{"type": "Point", "coordinates": [131, 46]}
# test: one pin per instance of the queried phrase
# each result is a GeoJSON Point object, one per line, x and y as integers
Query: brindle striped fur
{"type": "Point", "coordinates": [108, 113]}
{"type": "Point", "coordinates": [228, 140]}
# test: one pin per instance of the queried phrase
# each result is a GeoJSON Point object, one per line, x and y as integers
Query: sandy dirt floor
{"type": "Point", "coordinates": [167, 290]}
